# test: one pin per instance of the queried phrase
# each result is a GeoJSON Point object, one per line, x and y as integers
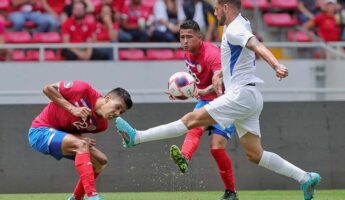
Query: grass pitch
{"type": "Point", "coordinates": [212, 195]}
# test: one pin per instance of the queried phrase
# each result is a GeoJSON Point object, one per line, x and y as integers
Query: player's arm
{"type": "Point", "coordinates": [217, 82]}
{"type": "Point", "coordinates": [52, 92]}
{"type": "Point", "coordinates": [255, 45]}
{"type": "Point", "coordinates": [202, 92]}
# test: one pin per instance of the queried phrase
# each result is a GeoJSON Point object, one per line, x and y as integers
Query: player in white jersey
{"type": "Point", "coordinates": [241, 104]}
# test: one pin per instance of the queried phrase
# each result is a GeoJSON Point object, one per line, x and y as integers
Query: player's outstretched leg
{"type": "Point", "coordinates": [309, 186]}
{"type": "Point", "coordinates": [126, 132]}
{"type": "Point", "coordinates": [229, 195]}
{"type": "Point", "coordinates": [179, 159]}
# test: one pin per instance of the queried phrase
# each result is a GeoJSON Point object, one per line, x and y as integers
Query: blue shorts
{"type": "Point", "coordinates": [216, 128]}
{"type": "Point", "coordinates": [47, 141]}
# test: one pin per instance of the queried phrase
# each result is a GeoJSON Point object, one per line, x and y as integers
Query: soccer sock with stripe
{"type": "Point", "coordinates": [86, 173]}
{"type": "Point", "coordinates": [171, 130]}
{"type": "Point", "coordinates": [277, 164]}
{"type": "Point", "coordinates": [79, 191]}
{"type": "Point", "coordinates": [191, 142]}
{"type": "Point", "coordinates": [225, 168]}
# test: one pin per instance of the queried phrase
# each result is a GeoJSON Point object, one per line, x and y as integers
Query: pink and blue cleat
{"type": "Point", "coordinates": [309, 186]}
{"type": "Point", "coordinates": [126, 132]}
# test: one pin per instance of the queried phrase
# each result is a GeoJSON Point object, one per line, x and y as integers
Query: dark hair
{"type": "Point", "coordinates": [236, 3]}
{"type": "Point", "coordinates": [190, 24]}
{"type": "Point", "coordinates": [120, 92]}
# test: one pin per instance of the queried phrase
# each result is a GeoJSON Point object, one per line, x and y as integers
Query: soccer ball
{"type": "Point", "coordinates": [181, 85]}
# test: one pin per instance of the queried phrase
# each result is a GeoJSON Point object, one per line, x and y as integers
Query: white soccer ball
{"type": "Point", "coordinates": [181, 85]}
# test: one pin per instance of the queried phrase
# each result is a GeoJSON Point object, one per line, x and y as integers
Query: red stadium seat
{"type": "Point", "coordinates": [51, 37]}
{"type": "Point", "coordinates": [131, 54]}
{"type": "Point", "coordinates": [160, 54]}
{"type": "Point", "coordinates": [279, 20]}
{"type": "Point", "coordinates": [251, 4]}
{"type": "Point", "coordinates": [299, 36]}
{"type": "Point", "coordinates": [33, 55]}
{"type": "Point", "coordinates": [50, 55]}
{"type": "Point", "coordinates": [284, 4]}
{"type": "Point", "coordinates": [19, 55]}
{"type": "Point", "coordinates": [17, 37]}
{"type": "Point", "coordinates": [4, 4]}
{"type": "Point", "coordinates": [179, 54]}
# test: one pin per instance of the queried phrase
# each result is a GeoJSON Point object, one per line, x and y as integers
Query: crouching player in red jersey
{"type": "Point", "coordinates": [77, 108]}
{"type": "Point", "coordinates": [202, 60]}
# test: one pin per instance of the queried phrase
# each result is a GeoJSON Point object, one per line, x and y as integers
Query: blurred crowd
{"type": "Point", "coordinates": [79, 21]}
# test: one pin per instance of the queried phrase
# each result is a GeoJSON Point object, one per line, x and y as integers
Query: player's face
{"type": "Point", "coordinates": [219, 13]}
{"type": "Point", "coordinates": [190, 40]}
{"type": "Point", "coordinates": [113, 107]}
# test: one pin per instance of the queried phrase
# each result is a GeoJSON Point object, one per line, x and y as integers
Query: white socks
{"type": "Point", "coordinates": [277, 164]}
{"type": "Point", "coordinates": [171, 130]}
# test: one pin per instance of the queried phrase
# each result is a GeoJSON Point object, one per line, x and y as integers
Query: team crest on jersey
{"type": "Point", "coordinates": [68, 84]}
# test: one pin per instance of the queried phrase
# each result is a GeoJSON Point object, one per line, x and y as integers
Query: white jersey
{"type": "Point", "coordinates": [238, 62]}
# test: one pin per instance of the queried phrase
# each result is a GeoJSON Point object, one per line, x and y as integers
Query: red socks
{"type": "Point", "coordinates": [191, 142]}
{"type": "Point", "coordinates": [79, 191]}
{"type": "Point", "coordinates": [224, 167]}
{"type": "Point", "coordinates": [86, 174]}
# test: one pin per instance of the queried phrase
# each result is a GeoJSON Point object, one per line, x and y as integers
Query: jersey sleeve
{"type": "Point", "coordinates": [69, 89]}
{"type": "Point", "coordinates": [213, 60]}
{"type": "Point", "coordinates": [238, 36]}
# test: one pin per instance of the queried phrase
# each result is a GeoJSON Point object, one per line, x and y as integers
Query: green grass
{"type": "Point", "coordinates": [244, 195]}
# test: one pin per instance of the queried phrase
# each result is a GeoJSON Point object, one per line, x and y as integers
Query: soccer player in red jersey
{"type": "Point", "coordinates": [77, 108]}
{"type": "Point", "coordinates": [203, 60]}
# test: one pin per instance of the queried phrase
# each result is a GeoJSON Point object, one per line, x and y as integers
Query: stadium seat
{"type": "Point", "coordinates": [279, 20]}
{"type": "Point", "coordinates": [284, 4]}
{"type": "Point", "coordinates": [17, 37]}
{"type": "Point", "coordinates": [251, 4]}
{"type": "Point", "coordinates": [4, 4]}
{"type": "Point", "coordinates": [299, 36]}
{"type": "Point", "coordinates": [160, 54]}
{"type": "Point", "coordinates": [131, 54]}
{"type": "Point", "coordinates": [50, 55]}
{"type": "Point", "coordinates": [33, 55]}
{"type": "Point", "coordinates": [19, 55]}
{"type": "Point", "coordinates": [51, 37]}
{"type": "Point", "coordinates": [179, 54]}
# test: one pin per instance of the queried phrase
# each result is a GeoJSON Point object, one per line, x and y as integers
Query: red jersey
{"type": "Point", "coordinates": [328, 29]}
{"type": "Point", "coordinates": [134, 13]}
{"type": "Point", "coordinates": [80, 94]}
{"type": "Point", "coordinates": [77, 31]}
{"type": "Point", "coordinates": [102, 32]}
{"type": "Point", "coordinates": [57, 5]}
{"type": "Point", "coordinates": [202, 65]}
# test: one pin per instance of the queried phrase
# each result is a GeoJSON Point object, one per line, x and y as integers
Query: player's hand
{"type": "Point", "coordinates": [281, 71]}
{"type": "Point", "coordinates": [171, 97]}
{"type": "Point", "coordinates": [82, 112]}
{"type": "Point", "coordinates": [217, 82]}
{"type": "Point", "coordinates": [198, 93]}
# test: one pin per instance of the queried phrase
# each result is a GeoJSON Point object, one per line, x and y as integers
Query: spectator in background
{"type": "Point", "coordinates": [202, 12]}
{"type": "Point", "coordinates": [28, 10]}
{"type": "Point", "coordinates": [133, 20]}
{"type": "Point", "coordinates": [325, 22]}
{"type": "Point", "coordinates": [54, 8]}
{"type": "Point", "coordinates": [307, 10]}
{"type": "Point", "coordinates": [168, 15]}
{"type": "Point", "coordinates": [116, 9]}
{"type": "Point", "coordinates": [5, 54]}
{"type": "Point", "coordinates": [76, 30]}
{"type": "Point", "coordinates": [67, 10]}
{"type": "Point", "coordinates": [106, 29]}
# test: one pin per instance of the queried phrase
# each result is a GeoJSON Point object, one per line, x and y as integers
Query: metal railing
{"type": "Point", "coordinates": [329, 48]}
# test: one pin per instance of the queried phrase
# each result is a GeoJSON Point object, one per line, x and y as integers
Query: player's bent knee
{"type": "Point", "coordinates": [254, 156]}
{"type": "Point", "coordinates": [81, 146]}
